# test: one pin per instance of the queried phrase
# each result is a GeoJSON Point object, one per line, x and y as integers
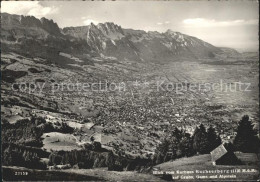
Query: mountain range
{"type": "Point", "coordinates": [108, 39]}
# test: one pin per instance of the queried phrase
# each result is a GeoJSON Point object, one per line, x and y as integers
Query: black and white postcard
{"type": "Point", "coordinates": [130, 91]}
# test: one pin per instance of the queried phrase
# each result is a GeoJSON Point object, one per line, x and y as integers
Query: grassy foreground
{"type": "Point", "coordinates": [249, 171]}
{"type": "Point", "coordinates": [99, 174]}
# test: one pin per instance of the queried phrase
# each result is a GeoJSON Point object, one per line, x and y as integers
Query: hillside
{"type": "Point", "coordinates": [79, 175]}
{"type": "Point", "coordinates": [203, 163]}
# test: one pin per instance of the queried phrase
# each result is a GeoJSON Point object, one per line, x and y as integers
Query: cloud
{"type": "Point", "coordinates": [163, 23]}
{"type": "Point", "coordinates": [89, 21]}
{"type": "Point", "coordinates": [33, 8]}
{"type": "Point", "coordinates": [201, 22]}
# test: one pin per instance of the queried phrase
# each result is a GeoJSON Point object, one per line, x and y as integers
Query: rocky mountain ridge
{"type": "Point", "coordinates": [107, 39]}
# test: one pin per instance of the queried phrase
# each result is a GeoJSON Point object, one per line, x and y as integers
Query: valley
{"type": "Point", "coordinates": [109, 116]}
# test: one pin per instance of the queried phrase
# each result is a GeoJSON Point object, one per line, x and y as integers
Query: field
{"type": "Point", "coordinates": [59, 141]}
{"type": "Point", "coordinates": [17, 174]}
{"type": "Point", "coordinates": [76, 175]}
{"type": "Point", "coordinates": [203, 162]}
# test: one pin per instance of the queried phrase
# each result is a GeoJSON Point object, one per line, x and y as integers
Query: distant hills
{"type": "Point", "coordinates": [107, 39]}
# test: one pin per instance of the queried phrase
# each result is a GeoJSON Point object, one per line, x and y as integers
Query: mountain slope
{"type": "Point", "coordinates": [107, 39]}
{"type": "Point", "coordinates": [15, 27]}
{"type": "Point", "coordinates": [37, 37]}
{"type": "Point", "coordinates": [112, 40]}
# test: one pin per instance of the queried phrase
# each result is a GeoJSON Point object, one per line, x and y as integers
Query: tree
{"type": "Point", "coordinates": [54, 159]}
{"type": "Point", "coordinates": [96, 146]}
{"type": "Point", "coordinates": [159, 158]}
{"type": "Point", "coordinates": [229, 146]}
{"type": "Point", "coordinates": [65, 158]}
{"type": "Point", "coordinates": [161, 151]}
{"type": "Point", "coordinates": [213, 139]}
{"type": "Point", "coordinates": [185, 147]}
{"type": "Point", "coordinates": [92, 139]}
{"type": "Point", "coordinates": [175, 139]}
{"type": "Point", "coordinates": [7, 156]}
{"type": "Point", "coordinates": [246, 139]}
{"type": "Point", "coordinates": [113, 163]}
{"type": "Point", "coordinates": [65, 128]}
{"type": "Point", "coordinates": [200, 141]}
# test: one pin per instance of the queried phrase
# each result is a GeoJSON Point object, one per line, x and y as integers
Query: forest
{"type": "Point", "coordinates": [22, 147]}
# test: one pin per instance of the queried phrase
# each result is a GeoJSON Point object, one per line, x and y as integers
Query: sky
{"type": "Point", "coordinates": [222, 23]}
